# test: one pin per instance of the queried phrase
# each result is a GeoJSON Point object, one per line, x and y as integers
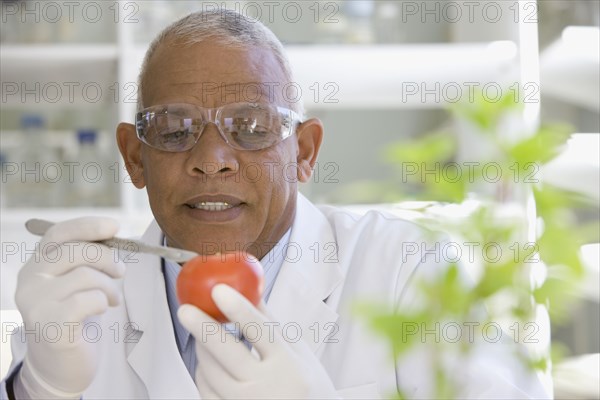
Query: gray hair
{"type": "Point", "coordinates": [228, 28]}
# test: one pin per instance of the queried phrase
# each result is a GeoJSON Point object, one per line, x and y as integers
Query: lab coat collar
{"type": "Point", "coordinates": [308, 276]}
{"type": "Point", "coordinates": [155, 357]}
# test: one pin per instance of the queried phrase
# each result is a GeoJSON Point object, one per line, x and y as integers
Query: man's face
{"type": "Point", "coordinates": [260, 184]}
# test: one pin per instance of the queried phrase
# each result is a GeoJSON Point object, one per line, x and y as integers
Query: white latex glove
{"type": "Point", "coordinates": [59, 286]}
{"type": "Point", "coordinates": [227, 369]}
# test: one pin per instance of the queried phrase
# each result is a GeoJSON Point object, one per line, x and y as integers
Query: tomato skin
{"type": "Point", "coordinates": [240, 270]}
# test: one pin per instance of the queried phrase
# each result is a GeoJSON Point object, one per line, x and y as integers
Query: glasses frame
{"type": "Point", "coordinates": [212, 115]}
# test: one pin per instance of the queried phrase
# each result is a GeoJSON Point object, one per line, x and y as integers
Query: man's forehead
{"type": "Point", "coordinates": [204, 70]}
{"type": "Point", "coordinates": [203, 59]}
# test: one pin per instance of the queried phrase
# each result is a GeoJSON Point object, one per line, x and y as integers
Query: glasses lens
{"type": "Point", "coordinates": [169, 128]}
{"type": "Point", "coordinates": [252, 126]}
{"type": "Point", "coordinates": [246, 126]}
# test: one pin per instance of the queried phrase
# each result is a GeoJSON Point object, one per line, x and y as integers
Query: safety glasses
{"type": "Point", "coordinates": [243, 126]}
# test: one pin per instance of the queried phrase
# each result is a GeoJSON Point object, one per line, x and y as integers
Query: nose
{"type": "Point", "coordinates": [212, 155]}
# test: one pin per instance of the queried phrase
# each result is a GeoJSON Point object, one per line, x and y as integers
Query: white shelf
{"type": "Point", "coordinates": [569, 67]}
{"type": "Point", "coordinates": [577, 168]}
{"type": "Point", "coordinates": [54, 76]}
{"type": "Point", "coordinates": [399, 76]}
{"type": "Point", "coordinates": [590, 287]}
{"type": "Point", "coordinates": [65, 53]}
{"type": "Point", "coordinates": [65, 139]}
{"type": "Point", "coordinates": [577, 377]}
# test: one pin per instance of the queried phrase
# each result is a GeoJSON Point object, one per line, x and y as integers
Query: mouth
{"type": "Point", "coordinates": [211, 205]}
{"type": "Point", "coordinates": [215, 208]}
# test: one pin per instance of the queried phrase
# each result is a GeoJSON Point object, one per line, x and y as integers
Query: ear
{"type": "Point", "coordinates": [310, 136]}
{"type": "Point", "coordinates": [131, 150]}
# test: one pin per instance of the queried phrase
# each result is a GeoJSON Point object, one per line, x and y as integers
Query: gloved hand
{"type": "Point", "coordinates": [227, 369]}
{"type": "Point", "coordinates": [62, 287]}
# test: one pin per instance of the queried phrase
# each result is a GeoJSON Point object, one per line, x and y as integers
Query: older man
{"type": "Point", "coordinates": [212, 107]}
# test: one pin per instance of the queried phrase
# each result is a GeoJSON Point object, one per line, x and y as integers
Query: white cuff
{"type": "Point", "coordinates": [28, 385]}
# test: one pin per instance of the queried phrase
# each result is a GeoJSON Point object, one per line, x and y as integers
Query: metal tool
{"type": "Point", "coordinates": [40, 226]}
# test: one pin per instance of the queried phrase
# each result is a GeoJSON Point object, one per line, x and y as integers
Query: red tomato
{"type": "Point", "coordinates": [240, 270]}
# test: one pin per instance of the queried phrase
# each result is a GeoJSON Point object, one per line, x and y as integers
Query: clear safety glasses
{"type": "Point", "coordinates": [243, 126]}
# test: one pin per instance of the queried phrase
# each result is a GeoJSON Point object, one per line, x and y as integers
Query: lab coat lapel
{"type": "Point", "coordinates": [308, 276]}
{"type": "Point", "coordinates": [155, 357]}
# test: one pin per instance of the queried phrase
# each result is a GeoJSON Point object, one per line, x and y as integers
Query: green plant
{"type": "Point", "coordinates": [498, 221]}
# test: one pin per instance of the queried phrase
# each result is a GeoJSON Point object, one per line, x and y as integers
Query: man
{"type": "Point", "coordinates": [189, 149]}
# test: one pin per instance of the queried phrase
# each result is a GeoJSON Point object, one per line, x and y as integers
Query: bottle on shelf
{"type": "Point", "coordinates": [32, 171]}
{"type": "Point", "coordinates": [9, 28]}
{"type": "Point", "coordinates": [388, 26]}
{"type": "Point", "coordinates": [359, 13]}
{"type": "Point", "coordinates": [37, 25]}
{"type": "Point", "coordinates": [88, 188]}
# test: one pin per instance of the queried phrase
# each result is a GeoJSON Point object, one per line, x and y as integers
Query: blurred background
{"type": "Point", "coordinates": [373, 71]}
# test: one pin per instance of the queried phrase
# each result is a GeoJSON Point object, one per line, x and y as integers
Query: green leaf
{"type": "Point", "coordinates": [495, 278]}
{"type": "Point", "coordinates": [557, 293]}
{"type": "Point", "coordinates": [560, 246]}
{"type": "Point", "coordinates": [368, 192]}
{"type": "Point", "coordinates": [540, 364]}
{"type": "Point", "coordinates": [431, 148]}
{"type": "Point", "coordinates": [445, 297]}
{"type": "Point", "coordinates": [549, 198]}
{"type": "Point", "coordinates": [541, 147]}
{"type": "Point", "coordinates": [401, 329]}
{"type": "Point", "coordinates": [485, 113]}
{"type": "Point", "coordinates": [454, 192]}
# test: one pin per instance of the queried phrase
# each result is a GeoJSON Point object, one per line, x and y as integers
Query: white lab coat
{"type": "Point", "coordinates": [334, 259]}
